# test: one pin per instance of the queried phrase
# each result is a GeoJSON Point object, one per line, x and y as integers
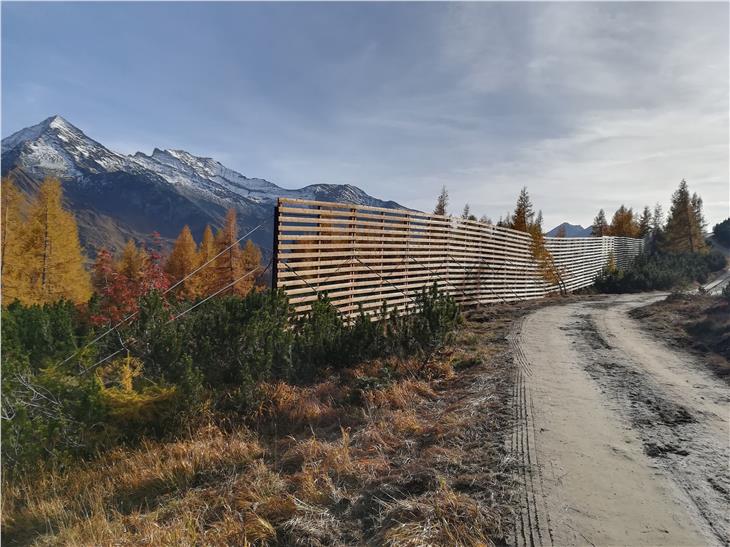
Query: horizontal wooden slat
{"type": "Point", "coordinates": [365, 256]}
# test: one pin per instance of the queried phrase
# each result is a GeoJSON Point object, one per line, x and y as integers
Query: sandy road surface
{"type": "Point", "coordinates": [622, 440]}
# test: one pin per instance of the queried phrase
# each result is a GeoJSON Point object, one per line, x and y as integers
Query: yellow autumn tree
{"type": "Point", "coordinates": [624, 223]}
{"type": "Point", "coordinates": [544, 259]}
{"type": "Point", "coordinates": [683, 232]}
{"type": "Point", "coordinates": [133, 261]}
{"type": "Point", "coordinates": [229, 266]}
{"type": "Point", "coordinates": [53, 255]}
{"type": "Point", "coordinates": [182, 261]}
{"type": "Point", "coordinates": [15, 280]}
{"type": "Point", "coordinates": [251, 259]}
{"type": "Point", "coordinates": [206, 249]}
{"type": "Point", "coordinates": [206, 252]}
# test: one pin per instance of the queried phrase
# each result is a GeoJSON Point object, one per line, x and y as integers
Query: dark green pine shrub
{"type": "Point", "coordinates": [216, 353]}
{"type": "Point", "coordinates": [722, 232]}
{"type": "Point", "coordinates": [660, 271]}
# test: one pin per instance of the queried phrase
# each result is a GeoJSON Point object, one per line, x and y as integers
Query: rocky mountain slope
{"type": "Point", "coordinates": [116, 197]}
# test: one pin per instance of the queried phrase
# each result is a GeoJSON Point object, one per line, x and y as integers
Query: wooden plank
{"type": "Point", "coordinates": [367, 256]}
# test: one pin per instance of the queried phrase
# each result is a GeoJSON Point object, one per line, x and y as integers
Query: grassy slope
{"type": "Point", "coordinates": [392, 452]}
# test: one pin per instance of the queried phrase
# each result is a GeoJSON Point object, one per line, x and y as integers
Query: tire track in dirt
{"type": "Point", "coordinates": [584, 415]}
{"type": "Point", "coordinates": [533, 514]}
{"type": "Point", "coordinates": [676, 434]}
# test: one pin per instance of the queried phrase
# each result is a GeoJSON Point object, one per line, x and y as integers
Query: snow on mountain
{"type": "Point", "coordinates": [205, 175]}
{"type": "Point", "coordinates": [116, 196]}
{"type": "Point", "coordinates": [55, 147]}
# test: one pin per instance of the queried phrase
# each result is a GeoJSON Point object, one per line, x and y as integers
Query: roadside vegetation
{"type": "Point", "coordinates": [143, 410]}
{"type": "Point", "coordinates": [176, 399]}
{"type": "Point", "coordinates": [144, 402]}
{"type": "Point", "coordinates": [698, 322]}
{"type": "Point", "coordinates": [722, 232]}
{"type": "Point", "coordinates": [391, 451]}
{"type": "Point", "coordinates": [678, 259]}
{"type": "Point", "coordinates": [677, 254]}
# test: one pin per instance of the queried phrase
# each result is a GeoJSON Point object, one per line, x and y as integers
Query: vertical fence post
{"type": "Point", "coordinates": [275, 257]}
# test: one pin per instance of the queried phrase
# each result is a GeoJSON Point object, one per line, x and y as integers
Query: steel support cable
{"type": "Point", "coordinates": [317, 291]}
{"type": "Point", "coordinates": [216, 293]}
{"type": "Point", "coordinates": [499, 270]}
{"type": "Point", "coordinates": [129, 340]}
{"type": "Point", "coordinates": [314, 290]}
{"type": "Point", "coordinates": [130, 316]}
{"type": "Point", "coordinates": [437, 275]}
{"type": "Point", "coordinates": [466, 270]}
{"type": "Point", "coordinates": [388, 282]}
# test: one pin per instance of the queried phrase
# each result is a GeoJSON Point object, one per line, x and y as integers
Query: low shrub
{"type": "Point", "coordinates": [169, 365]}
{"type": "Point", "coordinates": [722, 232]}
{"type": "Point", "coordinates": [660, 271]}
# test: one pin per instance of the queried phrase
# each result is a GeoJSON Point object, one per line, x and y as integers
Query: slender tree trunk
{"type": "Point", "coordinates": [46, 253]}
{"type": "Point", "coordinates": [689, 231]}
{"type": "Point", "coordinates": [5, 239]}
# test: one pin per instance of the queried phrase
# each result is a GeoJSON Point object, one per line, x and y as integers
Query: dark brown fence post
{"type": "Point", "coordinates": [275, 257]}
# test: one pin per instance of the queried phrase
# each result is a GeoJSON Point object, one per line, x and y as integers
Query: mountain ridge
{"type": "Point", "coordinates": [117, 196]}
{"type": "Point", "coordinates": [571, 230]}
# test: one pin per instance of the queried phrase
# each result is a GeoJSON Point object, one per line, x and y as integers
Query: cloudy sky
{"type": "Point", "coordinates": [588, 105]}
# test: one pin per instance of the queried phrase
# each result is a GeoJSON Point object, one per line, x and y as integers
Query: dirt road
{"type": "Point", "coordinates": [621, 439]}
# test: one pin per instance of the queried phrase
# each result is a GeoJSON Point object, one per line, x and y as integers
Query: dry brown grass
{"type": "Point", "coordinates": [443, 517]}
{"type": "Point", "coordinates": [123, 482]}
{"type": "Point", "coordinates": [400, 395]}
{"type": "Point", "coordinates": [317, 452]}
{"type": "Point", "coordinates": [295, 406]}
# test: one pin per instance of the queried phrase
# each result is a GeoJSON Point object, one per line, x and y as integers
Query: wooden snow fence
{"type": "Point", "coordinates": [368, 256]}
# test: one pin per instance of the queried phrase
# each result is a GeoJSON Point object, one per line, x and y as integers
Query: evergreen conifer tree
{"type": "Point", "coordinates": [683, 232]}
{"type": "Point", "coordinates": [442, 202]}
{"type": "Point", "coordinates": [466, 212]}
{"type": "Point", "coordinates": [645, 222]}
{"type": "Point", "coordinates": [523, 216]}
{"type": "Point", "coordinates": [657, 219]}
{"type": "Point", "coordinates": [600, 225]}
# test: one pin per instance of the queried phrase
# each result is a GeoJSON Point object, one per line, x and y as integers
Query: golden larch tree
{"type": "Point", "coordinates": [182, 261]}
{"type": "Point", "coordinates": [52, 250]}
{"type": "Point", "coordinates": [228, 267]}
{"type": "Point", "coordinates": [600, 225]}
{"type": "Point", "coordinates": [206, 249]}
{"type": "Point", "coordinates": [15, 281]}
{"type": "Point", "coordinates": [206, 252]}
{"type": "Point", "coordinates": [133, 262]}
{"type": "Point", "coordinates": [251, 260]}
{"type": "Point", "coordinates": [522, 218]}
{"type": "Point", "coordinates": [623, 223]}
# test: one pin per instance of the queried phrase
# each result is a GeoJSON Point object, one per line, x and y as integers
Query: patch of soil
{"type": "Point", "coordinates": [700, 323]}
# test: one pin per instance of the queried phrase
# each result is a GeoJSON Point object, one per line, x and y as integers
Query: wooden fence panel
{"type": "Point", "coordinates": [369, 256]}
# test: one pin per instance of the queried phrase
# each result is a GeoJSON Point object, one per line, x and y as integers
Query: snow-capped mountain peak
{"type": "Point", "coordinates": [205, 174]}
{"type": "Point", "coordinates": [56, 147]}
{"type": "Point", "coordinates": [116, 196]}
